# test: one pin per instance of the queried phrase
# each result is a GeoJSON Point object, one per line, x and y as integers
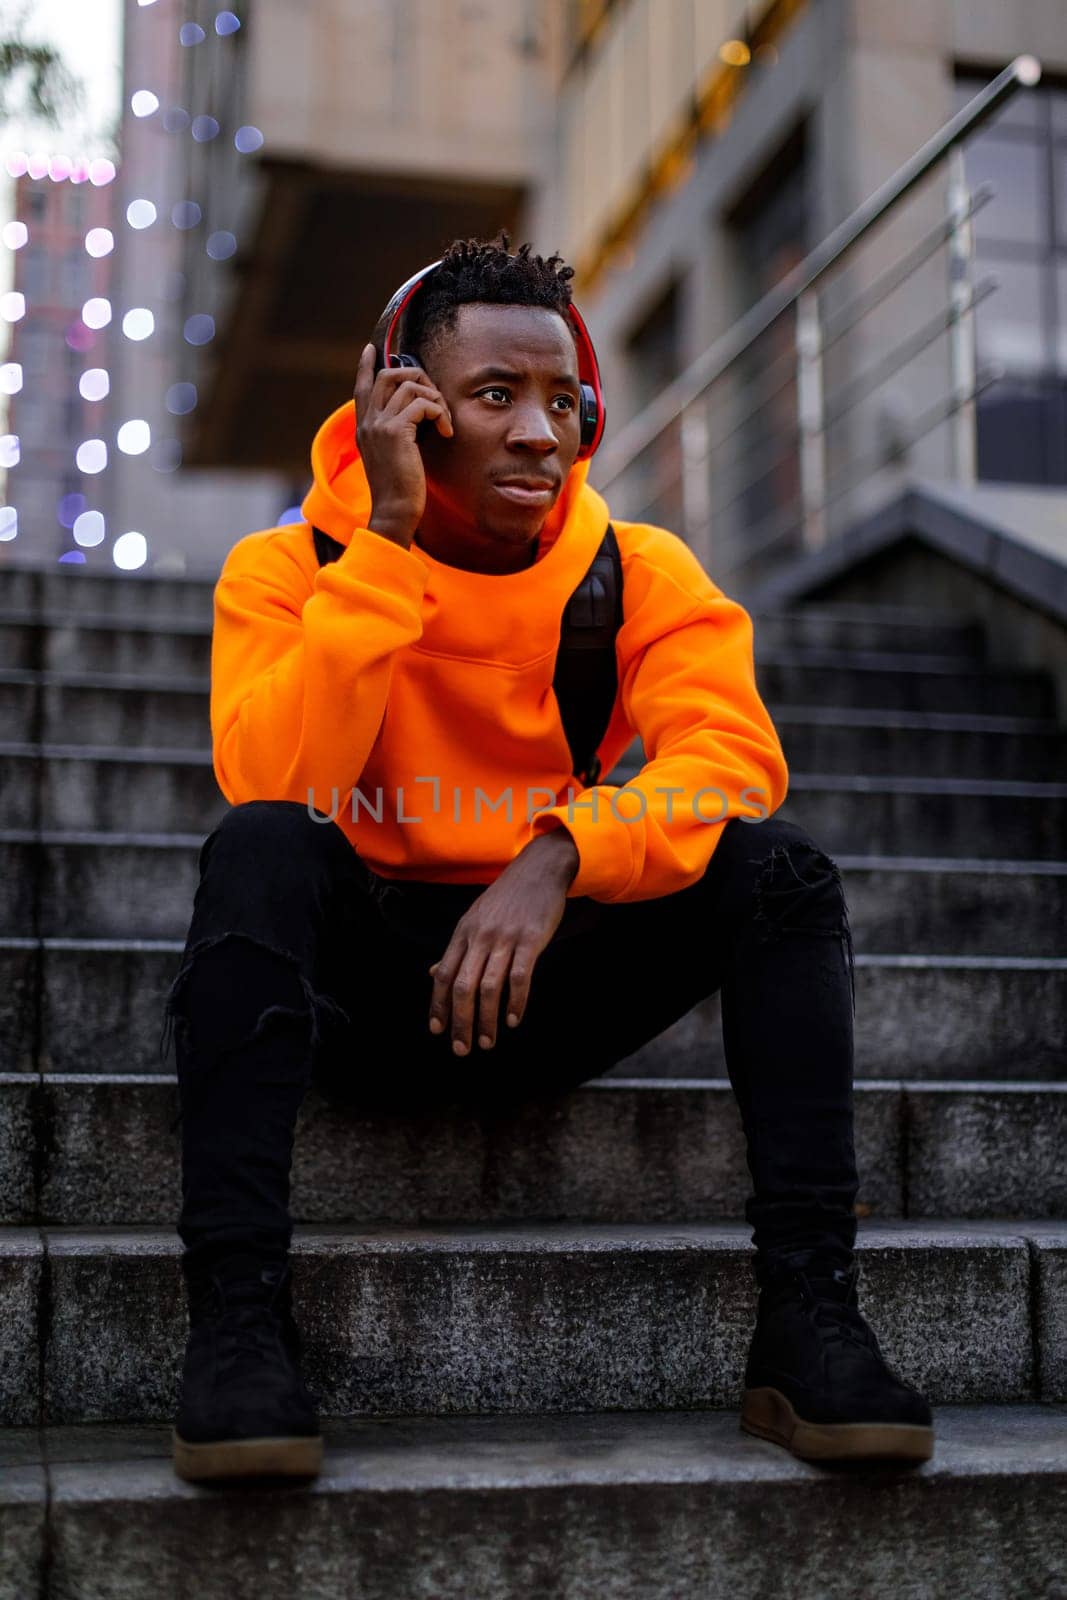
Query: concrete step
{"type": "Point", "coordinates": [99, 594]}
{"type": "Point", "coordinates": [950, 1018]}
{"type": "Point", "coordinates": [91, 709]}
{"type": "Point", "coordinates": [635, 1506]}
{"type": "Point", "coordinates": [60, 787]}
{"type": "Point", "coordinates": [930, 744]}
{"type": "Point", "coordinates": [56, 643]}
{"type": "Point", "coordinates": [885, 629]}
{"type": "Point", "coordinates": [931, 905]}
{"type": "Point", "coordinates": [927, 816]}
{"type": "Point", "coordinates": [95, 1005]}
{"type": "Point", "coordinates": [105, 1150]}
{"type": "Point", "coordinates": [526, 1317]}
{"type": "Point", "coordinates": [899, 682]}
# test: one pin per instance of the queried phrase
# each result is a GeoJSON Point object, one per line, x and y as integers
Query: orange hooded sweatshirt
{"type": "Point", "coordinates": [412, 702]}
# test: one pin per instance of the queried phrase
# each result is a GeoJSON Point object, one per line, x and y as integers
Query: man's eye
{"type": "Point", "coordinates": [569, 399]}
{"type": "Point", "coordinates": [495, 390]}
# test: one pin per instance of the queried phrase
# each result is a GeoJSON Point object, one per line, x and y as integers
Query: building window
{"type": "Point", "coordinates": [652, 351]}
{"type": "Point", "coordinates": [73, 286]}
{"type": "Point", "coordinates": [1021, 240]}
{"type": "Point", "coordinates": [33, 277]}
{"type": "Point", "coordinates": [758, 481]}
{"type": "Point", "coordinates": [652, 359]}
{"type": "Point", "coordinates": [37, 204]}
{"type": "Point", "coordinates": [33, 346]}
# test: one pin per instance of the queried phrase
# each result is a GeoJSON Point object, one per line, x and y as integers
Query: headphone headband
{"type": "Point", "coordinates": [592, 397]}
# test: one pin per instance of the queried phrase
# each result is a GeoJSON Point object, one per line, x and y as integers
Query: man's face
{"type": "Point", "coordinates": [510, 377]}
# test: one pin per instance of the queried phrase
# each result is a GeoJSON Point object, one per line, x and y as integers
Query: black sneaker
{"type": "Point", "coordinates": [244, 1410]}
{"type": "Point", "coordinates": [816, 1380]}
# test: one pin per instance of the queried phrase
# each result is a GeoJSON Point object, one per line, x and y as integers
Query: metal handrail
{"type": "Point", "coordinates": [784, 519]}
{"type": "Point", "coordinates": [843, 321]}
{"type": "Point", "coordinates": [616, 457]}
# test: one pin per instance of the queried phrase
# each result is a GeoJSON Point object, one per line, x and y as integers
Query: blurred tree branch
{"type": "Point", "coordinates": [35, 82]}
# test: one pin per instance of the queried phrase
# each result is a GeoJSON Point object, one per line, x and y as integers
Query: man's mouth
{"type": "Point", "coordinates": [527, 491]}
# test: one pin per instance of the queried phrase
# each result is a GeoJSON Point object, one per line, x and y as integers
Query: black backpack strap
{"type": "Point", "coordinates": [326, 549]}
{"type": "Point", "coordinates": [586, 678]}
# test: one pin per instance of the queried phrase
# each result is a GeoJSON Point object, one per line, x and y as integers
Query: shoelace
{"type": "Point", "coordinates": [246, 1330]}
{"type": "Point", "coordinates": [843, 1324]}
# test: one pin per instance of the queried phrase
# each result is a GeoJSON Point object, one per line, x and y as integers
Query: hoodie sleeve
{"type": "Point", "coordinates": [299, 682]}
{"type": "Point", "coordinates": [688, 688]}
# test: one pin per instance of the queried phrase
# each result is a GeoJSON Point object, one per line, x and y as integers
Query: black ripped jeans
{"type": "Point", "coordinates": [302, 966]}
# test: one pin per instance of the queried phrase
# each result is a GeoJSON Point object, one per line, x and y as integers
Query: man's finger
{"type": "Point", "coordinates": [444, 975]}
{"type": "Point", "coordinates": [364, 379]}
{"type": "Point", "coordinates": [440, 1000]}
{"type": "Point", "coordinates": [465, 987]}
{"type": "Point", "coordinates": [492, 987]}
{"type": "Point", "coordinates": [519, 985]}
{"type": "Point", "coordinates": [406, 395]}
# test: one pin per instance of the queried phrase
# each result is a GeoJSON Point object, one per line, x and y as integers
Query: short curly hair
{"type": "Point", "coordinates": [480, 271]}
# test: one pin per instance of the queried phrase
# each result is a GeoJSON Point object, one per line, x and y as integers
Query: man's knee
{"type": "Point", "coordinates": [275, 832]}
{"type": "Point", "coordinates": [793, 881]}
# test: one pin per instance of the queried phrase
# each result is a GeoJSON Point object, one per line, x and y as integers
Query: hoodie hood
{"type": "Point", "coordinates": [339, 500]}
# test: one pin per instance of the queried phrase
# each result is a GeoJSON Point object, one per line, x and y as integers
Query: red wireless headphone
{"type": "Point", "coordinates": [591, 403]}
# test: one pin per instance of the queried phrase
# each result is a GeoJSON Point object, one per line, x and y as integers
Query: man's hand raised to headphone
{"type": "Point", "coordinates": [389, 408]}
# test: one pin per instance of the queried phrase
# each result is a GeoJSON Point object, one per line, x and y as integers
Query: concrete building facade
{"type": "Point", "coordinates": [685, 155]}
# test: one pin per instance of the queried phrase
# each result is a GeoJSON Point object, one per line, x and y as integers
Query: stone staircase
{"type": "Point", "coordinates": [526, 1332]}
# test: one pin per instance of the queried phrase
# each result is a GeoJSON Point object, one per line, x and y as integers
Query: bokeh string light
{"type": "Point", "coordinates": [140, 214]}
{"type": "Point", "coordinates": [134, 437]}
{"type": "Point", "coordinates": [89, 528]}
{"type": "Point", "coordinates": [139, 323]}
{"type": "Point", "coordinates": [91, 456]}
{"type": "Point", "coordinates": [96, 313]}
{"type": "Point", "coordinates": [94, 384]}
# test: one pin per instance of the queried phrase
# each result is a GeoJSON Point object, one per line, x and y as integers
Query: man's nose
{"type": "Point", "coordinates": [532, 430]}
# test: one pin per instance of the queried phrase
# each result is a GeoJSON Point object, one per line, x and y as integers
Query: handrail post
{"type": "Point", "coordinates": [811, 417]}
{"type": "Point", "coordinates": [963, 356]}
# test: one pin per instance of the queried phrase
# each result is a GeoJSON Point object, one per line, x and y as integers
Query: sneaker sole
{"type": "Point", "coordinates": [247, 1458]}
{"type": "Point", "coordinates": [767, 1414]}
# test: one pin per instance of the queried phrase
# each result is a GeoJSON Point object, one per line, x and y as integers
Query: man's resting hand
{"type": "Point", "coordinates": [498, 940]}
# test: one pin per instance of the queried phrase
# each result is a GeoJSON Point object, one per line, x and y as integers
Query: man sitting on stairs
{"type": "Point", "coordinates": [388, 912]}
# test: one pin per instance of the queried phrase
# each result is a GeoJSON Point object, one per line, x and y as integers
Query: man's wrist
{"type": "Point", "coordinates": [558, 847]}
{"type": "Point", "coordinates": [395, 531]}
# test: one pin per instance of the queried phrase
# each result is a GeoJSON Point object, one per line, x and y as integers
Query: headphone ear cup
{"type": "Point", "coordinates": [589, 417]}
